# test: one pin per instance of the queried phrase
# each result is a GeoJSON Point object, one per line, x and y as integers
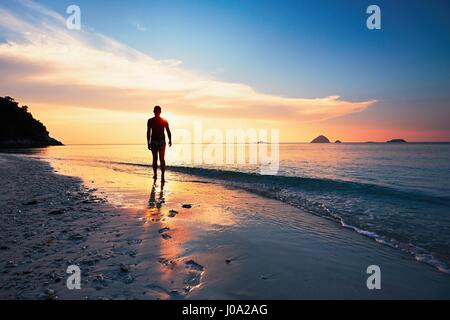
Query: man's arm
{"type": "Point", "coordinates": [169, 134]}
{"type": "Point", "coordinates": [149, 132]}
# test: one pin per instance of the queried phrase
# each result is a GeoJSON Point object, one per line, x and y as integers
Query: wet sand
{"type": "Point", "coordinates": [187, 239]}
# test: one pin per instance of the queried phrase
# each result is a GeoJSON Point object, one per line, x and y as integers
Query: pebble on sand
{"type": "Point", "coordinates": [49, 294]}
{"type": "Point", "coordinates": [132, 253]}
{"type": "Point", "coordinates": [172, 213]}
{"type": "Point", "coordinates": [129, 279]}
{"type": "Point", "coordinates": [124, 268]}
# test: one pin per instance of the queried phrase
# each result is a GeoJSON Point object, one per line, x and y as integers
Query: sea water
{"type": "Point", "coordinates": [397, 194]}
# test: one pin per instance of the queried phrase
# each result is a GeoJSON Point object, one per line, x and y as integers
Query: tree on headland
{"type": "Point", "coordinates": [18, 128]}
{"type": "Point", "coordinates": [9, 99]}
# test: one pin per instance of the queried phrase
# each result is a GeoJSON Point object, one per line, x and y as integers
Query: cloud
{"type": "Point", "coordinates": [139, 26]}
{"type": "Point", "coordinates": [43, 61]}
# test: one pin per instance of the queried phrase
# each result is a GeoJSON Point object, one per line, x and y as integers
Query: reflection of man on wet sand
{"type": "Point", "coordinates": [156, 140]}
{"type": "Point", "coordinates": [153, 201]}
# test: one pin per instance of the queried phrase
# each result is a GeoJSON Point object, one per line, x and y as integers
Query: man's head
{"type": "Point", "coordinates": [157, 110]}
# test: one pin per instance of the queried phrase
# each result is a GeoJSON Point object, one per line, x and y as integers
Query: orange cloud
{"type": "Point", "coordinates": [42, 61]}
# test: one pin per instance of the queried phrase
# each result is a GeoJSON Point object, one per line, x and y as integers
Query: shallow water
{"type": "Point", "coordinates": [398, 194]}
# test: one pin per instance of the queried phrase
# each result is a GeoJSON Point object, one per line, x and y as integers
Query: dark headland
{"type": "Point", "coordinates": [18, 128]}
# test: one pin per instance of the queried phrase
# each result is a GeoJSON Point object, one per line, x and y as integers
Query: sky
{"type": "Point", "coordinates": [303, 67]}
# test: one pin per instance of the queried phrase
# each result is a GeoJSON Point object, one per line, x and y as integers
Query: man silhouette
{"type": "Point", "coordinates": [156, 140]}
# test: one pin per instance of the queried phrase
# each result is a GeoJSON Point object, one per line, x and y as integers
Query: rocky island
{"type": "Point", "coordinates": [321, 139]}
{"type": "Point", "coordinates": [396, 141]}
{"type": "Point", "coordinates": [18, 128]}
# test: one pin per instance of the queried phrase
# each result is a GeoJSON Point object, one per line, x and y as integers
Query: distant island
{"type": "Point", "coordinates": [324, 139]}
{"type": "Point", "coordinates": [18, 128]}
{"type": "Point", "coordinates": [396, 141]}
{"type": "Point", "coordinates": [321, 139]}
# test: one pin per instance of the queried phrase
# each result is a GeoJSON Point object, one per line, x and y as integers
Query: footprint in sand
{"type": "Point", "coordinates": [163, 230]}
{"type": "Point", "coordinates": [166, 236]}
{"type": "Point", "coordinates": [191, 264]}
{"type": "Point", "coordinates": [166, 262]}
{"type": "Point", "coordinates": [163, 233]}
{"type": "Point", "coordinates": [188, 276]}
{"type": "Point", "coordinates": [194, 276]}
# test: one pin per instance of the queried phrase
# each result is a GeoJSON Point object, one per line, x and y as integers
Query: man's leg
{"type": "Point", "coordinates": [162, 161]}
{"type": "Point", "coordinates": [155, 163]}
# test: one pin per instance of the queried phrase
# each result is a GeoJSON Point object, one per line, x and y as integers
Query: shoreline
{"type": "Point", "coordinates": [138, 247]}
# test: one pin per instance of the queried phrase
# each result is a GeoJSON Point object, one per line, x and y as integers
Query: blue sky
{"type": "Point", "coordinates": [290, 47]}
{"type": "Point", "coordinates": [299, 48]}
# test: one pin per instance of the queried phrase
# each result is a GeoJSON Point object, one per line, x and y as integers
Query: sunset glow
{"type": "Point", "coordinates": [85, 85]}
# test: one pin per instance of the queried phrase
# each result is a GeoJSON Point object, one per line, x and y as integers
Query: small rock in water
{"type": "Point", "coordinates": [187, 205]}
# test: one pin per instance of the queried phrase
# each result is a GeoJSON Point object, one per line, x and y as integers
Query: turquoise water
{"type": "Point", "coordinates": [397, 194]}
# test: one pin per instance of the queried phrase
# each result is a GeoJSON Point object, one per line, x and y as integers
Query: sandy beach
{"type": "Point", "coordinates": [188, 239]}
{"type": "Point", "coordinates": [224, 158]}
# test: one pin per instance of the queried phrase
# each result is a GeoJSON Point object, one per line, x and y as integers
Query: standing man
{"type": "Point", "coordinates": [156, 141]}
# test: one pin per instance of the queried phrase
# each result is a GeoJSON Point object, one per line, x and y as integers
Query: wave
{"type": "Point", "coordinates": [299, 192]}
{"type": "Point", "coordinates": [307, 183]}
{"type": "Point", "coordinates": [348, 203]}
